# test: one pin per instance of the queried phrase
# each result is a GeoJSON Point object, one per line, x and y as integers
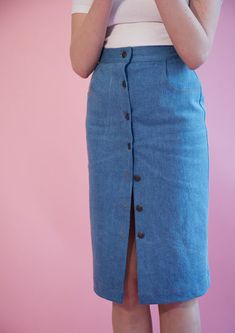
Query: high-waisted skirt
{"type": "Point", "coordinates": [147, 142]}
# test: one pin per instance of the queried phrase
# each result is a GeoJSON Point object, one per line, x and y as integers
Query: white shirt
{"type": "Point", "coordinates": [131, 23]}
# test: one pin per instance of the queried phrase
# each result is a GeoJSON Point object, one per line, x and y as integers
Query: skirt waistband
{"type": "Point", "coordinates": [137, 53]}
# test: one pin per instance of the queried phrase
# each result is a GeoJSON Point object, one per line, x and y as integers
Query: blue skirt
{"type": "Point", "coordinates": [146, 135]}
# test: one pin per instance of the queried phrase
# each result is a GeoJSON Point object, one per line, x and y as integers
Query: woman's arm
{"type": "Point", "coordinates": [87, 36]}
{"type": "Point", "coordinates": [191, 28]}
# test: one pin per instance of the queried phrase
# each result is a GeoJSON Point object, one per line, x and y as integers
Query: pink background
{"type": "Point", "coordinates": [45, 247]}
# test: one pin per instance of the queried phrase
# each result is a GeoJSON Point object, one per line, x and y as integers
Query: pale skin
{"type": "Point", "coordinates": [193, 40]}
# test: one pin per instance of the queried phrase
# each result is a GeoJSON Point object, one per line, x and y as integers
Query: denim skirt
{"type": "Point", "coordinates": [147, 140]}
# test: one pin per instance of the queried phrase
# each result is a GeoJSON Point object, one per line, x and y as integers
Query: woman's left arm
{"type": "Point", "coordinates": [191, 27]}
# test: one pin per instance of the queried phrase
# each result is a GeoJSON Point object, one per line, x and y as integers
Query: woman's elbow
{"type": "Point", "coordinates": [197, 59]}
{"type": "Point", "coordinates": [82, 72]}
{"type": "Point", "coordinates": [78, 66]}
{"type": "Point", "coordinates": [196, 63]}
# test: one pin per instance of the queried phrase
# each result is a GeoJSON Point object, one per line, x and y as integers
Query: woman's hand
{"type": "Point", "coordinates": [191, 27]}
{"type": "Point", "coordinates": [87, 36]}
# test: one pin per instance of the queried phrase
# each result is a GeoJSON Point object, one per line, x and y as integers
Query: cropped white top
{"type": "Point", "coordinates": [131, 23]}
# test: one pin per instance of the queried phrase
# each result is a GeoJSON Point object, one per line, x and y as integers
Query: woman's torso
{"type": "Point", "coordinates": [131, 23]}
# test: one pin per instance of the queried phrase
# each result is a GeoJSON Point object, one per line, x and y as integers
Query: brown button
{"type": "Point", "coordinates": [129, 145]}
{"type": "Point", "coordinates": [137, 178]}
{"type": "Point", "coordinates": [139, 208]}
{"type": "Point", "coordinates": [124, 54]}
{"type": "Point", "coordinates": [140, 234]}
{"type": "Point", "coordinates": [124, 83]}
{"type": "Point", "coordinates": [127, 115]}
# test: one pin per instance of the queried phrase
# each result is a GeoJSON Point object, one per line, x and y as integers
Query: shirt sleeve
{"type": "Point", "coordinates": [81, 6]}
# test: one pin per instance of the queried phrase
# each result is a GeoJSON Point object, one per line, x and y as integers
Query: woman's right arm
{"type": "Point", "coordinates": [87, 36]}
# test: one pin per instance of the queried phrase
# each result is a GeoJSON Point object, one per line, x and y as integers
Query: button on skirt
{"type": "Point", "coordinates": [146, 134]}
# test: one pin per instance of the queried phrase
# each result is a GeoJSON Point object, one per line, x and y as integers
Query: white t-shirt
{"type": "Point", "coordinates": [131, 23]}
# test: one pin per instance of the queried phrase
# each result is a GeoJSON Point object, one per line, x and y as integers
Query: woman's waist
{"type": "Point", "coordinates": [137, 33]}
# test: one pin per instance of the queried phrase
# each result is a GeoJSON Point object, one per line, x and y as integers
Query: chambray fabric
{"type": "Point", "coordinates": [146, 117]}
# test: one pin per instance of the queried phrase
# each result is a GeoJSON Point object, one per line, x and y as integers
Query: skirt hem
{"type": "Point", "coordinates": [149, 299]}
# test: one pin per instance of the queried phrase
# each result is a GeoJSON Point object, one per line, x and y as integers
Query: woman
{"type": "Point", "coordinates": [148, 155]}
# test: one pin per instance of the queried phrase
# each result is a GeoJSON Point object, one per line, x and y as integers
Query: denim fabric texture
{"type": "Point", "coordinates": [146, 132]}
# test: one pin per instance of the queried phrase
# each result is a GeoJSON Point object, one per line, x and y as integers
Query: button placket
{"type": "Point", "coordinates": [139, 207]}
{"type": "Point", "coordinates": [127, 116]}
{"type": "Point", "coordinates": [124, 54]}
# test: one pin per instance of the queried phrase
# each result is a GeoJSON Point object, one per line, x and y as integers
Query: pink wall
{"type": "Point", "coordinates": [45, 249]}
